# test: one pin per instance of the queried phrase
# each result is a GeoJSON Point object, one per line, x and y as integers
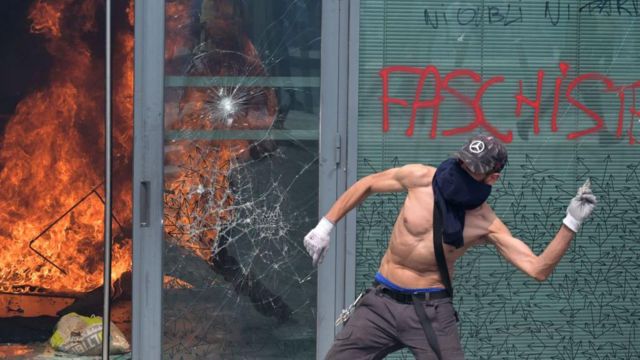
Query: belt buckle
{"type": "Point", "coordinates": [422, 295]}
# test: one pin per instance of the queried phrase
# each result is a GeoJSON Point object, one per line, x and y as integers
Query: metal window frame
{"type": "Point", "coordinates": [338, 159]}
{"type": "Point", "coordinates": [352, 144]}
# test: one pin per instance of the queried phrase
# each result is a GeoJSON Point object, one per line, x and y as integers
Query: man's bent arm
{"type": "Point", "coordinates": [540, 267]}
{"type": "Point", "coordinates": [392, 180]}
{"type": "Point", "coordinates": [519, 254]}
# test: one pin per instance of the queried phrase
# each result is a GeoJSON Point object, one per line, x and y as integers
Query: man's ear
{"type": "Point", "coordinates": [492, 179]}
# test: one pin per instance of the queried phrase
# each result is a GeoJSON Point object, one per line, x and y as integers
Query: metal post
{"type": "Point", "coordinates": [107, 192]}
{"type": "Point", "coordinates": [329, 293]}
{"type": "Point", "coordinates": [148, 229]}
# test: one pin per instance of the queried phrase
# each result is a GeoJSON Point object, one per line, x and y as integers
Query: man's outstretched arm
{"type": "Point", "coordinates": [393, 180]}
{"type": "Point", "coordinates": [541, 266]}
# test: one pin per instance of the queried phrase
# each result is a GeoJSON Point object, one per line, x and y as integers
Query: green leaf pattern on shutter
{"type": "Point", "coordinates": [589, 308]}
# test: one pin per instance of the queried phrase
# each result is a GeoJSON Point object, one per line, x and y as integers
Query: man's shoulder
{"type": "Point", "coordinates": [483, 221]}
{"type": "Point", "coordinates": [417, 175]}
{"type": "Point", "coordinates": [483, 213]}
{"type": "Point", "coordinates": [487, 211]}
{"type": "Point", "coordinates": [485, 217]}
{"type": "Point", "coordinates": [419, 169]}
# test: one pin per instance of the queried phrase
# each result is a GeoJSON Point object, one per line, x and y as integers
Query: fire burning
{"type": "Point", "coordinates": [52, 159]}
{"type": "Point", "coordinates": [52, 153]}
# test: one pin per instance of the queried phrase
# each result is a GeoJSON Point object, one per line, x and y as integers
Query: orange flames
{"type": "Point", "coordinates": [52, 157]}
{"type": "Point", "coordinates": [52, 154]}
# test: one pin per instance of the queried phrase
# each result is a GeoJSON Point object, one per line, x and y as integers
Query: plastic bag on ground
{"type": "Point", "coordinates": [82, 335]}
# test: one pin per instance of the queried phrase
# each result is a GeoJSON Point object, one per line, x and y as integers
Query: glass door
{"type": "Point", "coordinates": [240, 188]}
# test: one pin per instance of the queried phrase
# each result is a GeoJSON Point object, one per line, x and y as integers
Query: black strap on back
{"type": "Point", "coordinates": [439, 250]}
{"type": "Point", "coordinates": [432, 339]}
{"type": "Point", "coordinates": [418, 301]}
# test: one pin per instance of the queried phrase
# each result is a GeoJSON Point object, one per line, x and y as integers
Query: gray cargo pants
{"type": "Point", "coordinates": [381, 325]}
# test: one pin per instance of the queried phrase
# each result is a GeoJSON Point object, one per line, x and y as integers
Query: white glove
{"type": "Point", "coordinates": [317, 240]}
{"type": "Point", "coordinates": [580, 207]}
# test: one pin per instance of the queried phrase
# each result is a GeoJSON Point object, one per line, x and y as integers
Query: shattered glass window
{"type": "Point", "coordinates": [240, 178]}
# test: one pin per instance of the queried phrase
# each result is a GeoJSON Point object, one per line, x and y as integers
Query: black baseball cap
{"type": "Point", "coordinates": [483, 154]}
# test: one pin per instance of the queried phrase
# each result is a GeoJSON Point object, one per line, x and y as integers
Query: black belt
{"type": "Point", "coordinates": [418, 299]}
{"type": "Point", "coordinates": [406, 298]}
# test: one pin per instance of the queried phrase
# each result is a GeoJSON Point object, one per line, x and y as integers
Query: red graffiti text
{"type": "Point", "coordinates": [443, 90]}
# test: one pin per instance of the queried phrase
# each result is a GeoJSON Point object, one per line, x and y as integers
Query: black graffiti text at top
{"type": "Point", "coordinates": [510, 13]}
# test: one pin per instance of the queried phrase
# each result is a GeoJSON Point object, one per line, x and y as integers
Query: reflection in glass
{"type": "Point", "coordinates": [241, 179]}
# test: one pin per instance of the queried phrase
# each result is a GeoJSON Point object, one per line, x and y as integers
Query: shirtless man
{"type": "Point", "coordinates": [386, 318]}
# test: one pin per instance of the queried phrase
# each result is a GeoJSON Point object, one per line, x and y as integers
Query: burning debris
{"type": "Point", "coordinates": [52, 155]}
{"type": "Point", "coordinates": [52, 158]}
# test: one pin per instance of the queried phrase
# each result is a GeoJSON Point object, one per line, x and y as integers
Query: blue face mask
{"type": "Point", "coordinates": [456, 191]}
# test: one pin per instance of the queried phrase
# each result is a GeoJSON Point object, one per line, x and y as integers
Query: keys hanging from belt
{"type": "Point", "coordinates": [345, 314]}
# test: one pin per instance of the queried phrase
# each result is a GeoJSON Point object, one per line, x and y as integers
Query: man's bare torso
{"type": "Point", "coordinates": [410, 260]}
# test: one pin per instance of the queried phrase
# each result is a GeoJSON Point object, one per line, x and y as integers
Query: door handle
{"type": "Point", "coordinates": [144, 203]}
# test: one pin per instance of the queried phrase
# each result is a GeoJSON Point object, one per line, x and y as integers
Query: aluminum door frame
{"type": "Point", "coordinates": [338, 159]}
{"type": "Point", "coordinates": [148, 166]}
{"type": "Point", "coordinates": [337, 274]}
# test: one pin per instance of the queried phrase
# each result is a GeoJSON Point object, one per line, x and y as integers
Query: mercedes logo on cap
{"type": "Point", "coordinates": [476, 147]}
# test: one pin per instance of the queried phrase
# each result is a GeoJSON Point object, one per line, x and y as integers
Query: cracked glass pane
{"type": "Point", "coordinates": [241, 178]}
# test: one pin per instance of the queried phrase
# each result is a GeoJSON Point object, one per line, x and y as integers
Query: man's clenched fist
{"type": "Point", "coordinates": [317, 240]}
{"type": "Point", "coordinates": [581, 207]}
